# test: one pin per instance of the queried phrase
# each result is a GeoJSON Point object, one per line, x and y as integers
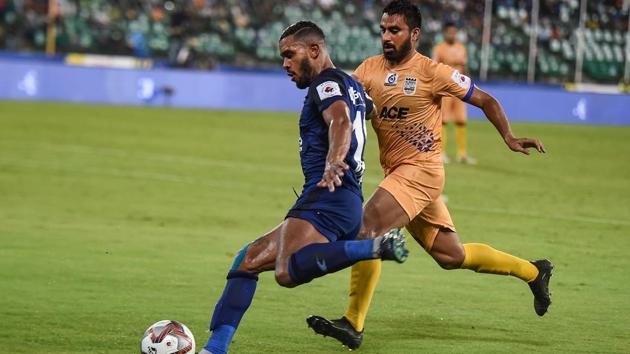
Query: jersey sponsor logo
{"type": "Point", "coordinates": [391, 79]}
{"type": "Point", "coordinates": [462, 81]}
{"type": "Point", "coordinates": [410, 86]}
{"type": "Point", "coordinates": [328, 89]}
{"type": "Point", "coordinates": [394, 112]}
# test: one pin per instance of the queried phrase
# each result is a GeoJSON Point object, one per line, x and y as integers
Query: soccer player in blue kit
{"type": "Point", "coordinates": [317, 235]}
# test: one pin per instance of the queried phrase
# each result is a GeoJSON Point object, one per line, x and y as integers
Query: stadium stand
{"type": "Point", "coordinates": [204, 33]}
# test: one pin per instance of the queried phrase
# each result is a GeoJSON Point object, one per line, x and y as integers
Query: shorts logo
{"type": "Point", "coordinates": [321, 264]}
{"type": "Point", "coordinates": [391, 79]}
{"type": "Point", "coordinates": [462, 81]}
{"type": "Point", "coordinates": [328, 89]}
{"type": "Point", "coordinates": [410, 86]}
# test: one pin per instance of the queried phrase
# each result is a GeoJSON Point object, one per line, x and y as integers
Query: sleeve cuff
{"type": "Point", "coordinates": [470, 91]}
{"type": "Point", "coordinates": [327, 102]}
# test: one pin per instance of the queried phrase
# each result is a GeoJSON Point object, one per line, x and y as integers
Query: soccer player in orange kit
{"type": "Point", "coordinates": [407, 89]}
{"type": "Point", "coordinates": [453, 53]}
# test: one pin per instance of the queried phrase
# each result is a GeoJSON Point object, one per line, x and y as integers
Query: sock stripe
{"type": "Point", "coordinates": [239, 257]}
{"type": "Point", "coordinates": [241, 274]}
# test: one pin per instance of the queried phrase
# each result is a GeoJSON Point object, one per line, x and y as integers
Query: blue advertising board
{"type": "Point", "coordinates": [266, 91]}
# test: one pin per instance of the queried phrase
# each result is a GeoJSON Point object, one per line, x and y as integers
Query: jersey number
{"type": "Point", "coordinates": [359, 130]}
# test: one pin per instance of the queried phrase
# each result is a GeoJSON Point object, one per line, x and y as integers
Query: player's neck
{"type": "Point", "coordinates": [402, 61]}
{"type": "Point", "coordinates": [328, 64]}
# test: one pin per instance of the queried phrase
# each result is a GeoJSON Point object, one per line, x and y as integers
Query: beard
{"type": "Point", "coordinates": [398, 54]}
{"type": "Point", "coordinates": [306, 76]}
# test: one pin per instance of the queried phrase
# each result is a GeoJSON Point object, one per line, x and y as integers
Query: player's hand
{"type": "Point", "coordinates": [524, 144]}
{"type": "Point", "coordinates": [332, 175]}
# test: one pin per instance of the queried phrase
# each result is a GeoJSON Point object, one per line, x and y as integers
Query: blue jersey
{"type": "Point", "coordinates": [329, 86]}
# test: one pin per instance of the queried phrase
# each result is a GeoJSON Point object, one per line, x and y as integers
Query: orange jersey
{"type": "Point", "coordinates": [408, 101]}
{"type": "Point", "coordinates": [454, 55]}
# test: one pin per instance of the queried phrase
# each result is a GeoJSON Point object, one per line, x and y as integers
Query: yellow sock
{"type": "Point", "coordinates": [460, 138]}
{"type": "Point", "coordinates": [365, 276]}
{"type": "Point", "coordinates": [485, 259]}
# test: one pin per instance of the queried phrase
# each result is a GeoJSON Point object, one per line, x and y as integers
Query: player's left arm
{"type": "Point", "coordinates": [495, 114]}
{"type": "Point", "coordinates": [337, 117]}
{"type": "Point", "coordinates": [370, 107]}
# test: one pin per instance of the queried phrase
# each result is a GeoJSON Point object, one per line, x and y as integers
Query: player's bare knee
{"type": "Point", "coordinates": [458, 254]}
{"type": "Point", "coordinates": [368, 234]}
{"type": "Point", "coordinates": [248, 264]}
{"type": "Point", "coordinates": [451, 260]}
{"type": "Point", "coordinates": [284, 279]}
{"type": "Point", "coordinates": [362, 233]}
{"type": "Point", "coordinates": [250, 261]}
{"type": "Point", "coordinates": [368, 230]}
{"type": "Point", "coordinates": [445, 262]}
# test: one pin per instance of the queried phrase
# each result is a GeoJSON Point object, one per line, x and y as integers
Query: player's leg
{"type": "Point", "coordinates": [239, 290]}
{"type": "Point", "coordinates": [382, 213]}
{"type": "Point", "coordinates": [482, 258]}
{"type": "Point", "coordinates": [434, 229]}
{"type": "Point", "coordinates": [305, 253]}
{"type": "Point", "coordinates": [450, 253]}
{"type": "Point", "coordinates": [400, 197]}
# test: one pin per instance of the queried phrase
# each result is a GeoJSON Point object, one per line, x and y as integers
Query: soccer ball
{"type": "Point", "coordinates": [167, 337]}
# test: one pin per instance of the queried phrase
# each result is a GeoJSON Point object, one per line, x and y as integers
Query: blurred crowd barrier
{"type": "Point", "coordinates": [54, 80]}
{"type": "Point", "coordinates": [575, 40]}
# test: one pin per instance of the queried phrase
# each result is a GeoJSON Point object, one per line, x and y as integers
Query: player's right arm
{"type": "Point", "coordinates": [496, 115]}
{"type": "Point", "coordinates": [337, 117]}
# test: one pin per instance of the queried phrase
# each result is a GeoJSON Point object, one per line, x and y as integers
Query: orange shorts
{"type": "Point", "coordinates": [417, 189]}
{"type": "Point", "coordinates": [453, 110]}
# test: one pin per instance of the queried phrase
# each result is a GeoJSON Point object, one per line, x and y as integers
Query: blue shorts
{"type": "Point", "coordinates": [336, 215]}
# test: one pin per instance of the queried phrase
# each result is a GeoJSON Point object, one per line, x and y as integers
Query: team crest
{"type": "Point", "coordinates": [391, 79]}
{"type": "Point", "coordinates": [410, 86]}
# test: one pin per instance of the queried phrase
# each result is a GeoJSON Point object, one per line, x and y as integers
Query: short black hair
{"type": "Point", "coordinates": [448, 24]}
{"type": "Point", "coordinates": [303, 29]}
{"type": "Point", "coordinates": [410, 11]}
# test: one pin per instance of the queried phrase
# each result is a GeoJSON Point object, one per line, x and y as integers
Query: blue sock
{"type": "Point", "coordinates": [236, 298]}
{"type": "Point", "coordinates": [318, 259]}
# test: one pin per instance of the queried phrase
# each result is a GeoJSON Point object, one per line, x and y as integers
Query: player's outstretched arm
{"type": "Point", "coordinates": [337, 117]}
{"type": "Point", "coordinates": [495, 114]}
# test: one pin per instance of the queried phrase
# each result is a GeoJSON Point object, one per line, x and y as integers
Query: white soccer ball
{"type": "Point", "coordinates": [167, 337]}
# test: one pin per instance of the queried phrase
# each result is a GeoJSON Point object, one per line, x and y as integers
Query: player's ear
{"type": "Point", "coordinates": [314, 50]}
{"type": "Point", "coordinates": [415, 34]}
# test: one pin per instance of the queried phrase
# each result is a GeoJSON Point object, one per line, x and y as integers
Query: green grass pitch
{"type": "Point", "coordinates": [112, 218]}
